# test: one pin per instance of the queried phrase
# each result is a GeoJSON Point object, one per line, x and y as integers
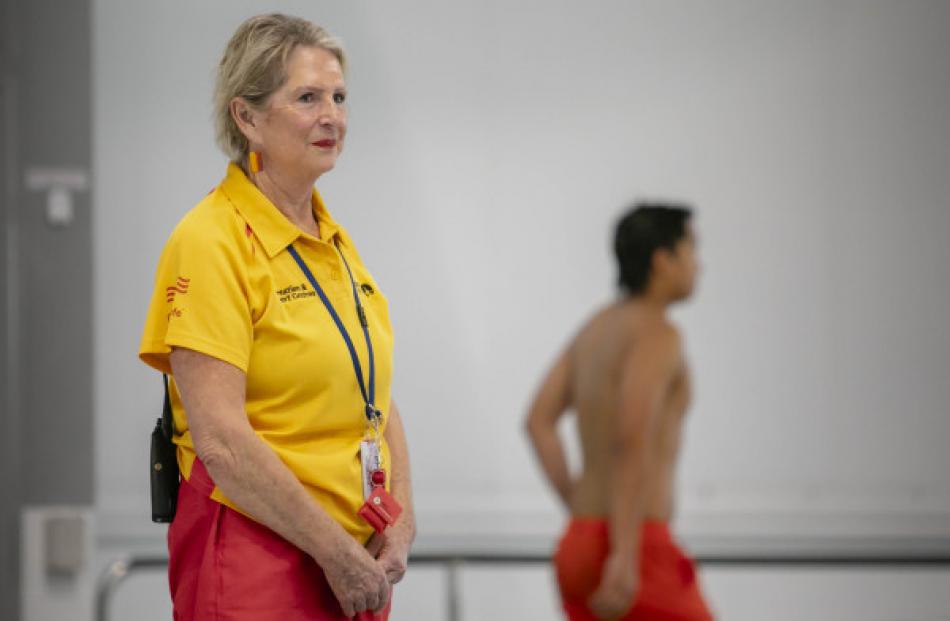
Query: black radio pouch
{"type": "Point", "coordinates": [164, 465]}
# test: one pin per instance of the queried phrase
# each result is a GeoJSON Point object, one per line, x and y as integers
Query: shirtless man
{"type": "Point", "coordinates": [625, 376]}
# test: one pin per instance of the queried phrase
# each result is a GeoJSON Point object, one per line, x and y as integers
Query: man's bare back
{"type": "Point", "coordinates": [625, 378]}
{"type": "Point", "coordinates": [602, 357]}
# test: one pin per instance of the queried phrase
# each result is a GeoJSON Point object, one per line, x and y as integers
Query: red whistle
{"type": "Point", "coordinates": [381, 510]}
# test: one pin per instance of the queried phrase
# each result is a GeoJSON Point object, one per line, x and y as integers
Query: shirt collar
{"type": "Point", "coordinates": [272, 227]}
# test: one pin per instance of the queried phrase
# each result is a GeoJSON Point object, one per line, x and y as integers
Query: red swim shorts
{"type": "Point", "coordinates": [668, 589]}
{"type": "Point", "coordinates": [224, 566]}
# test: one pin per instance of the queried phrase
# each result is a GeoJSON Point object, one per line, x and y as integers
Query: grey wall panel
{"type": "Point", "coordinates": [56, 279]}
{"type": "Point", "coordinates": [9, 359]}
{"type": "Point", "coordinates": [46, 447]}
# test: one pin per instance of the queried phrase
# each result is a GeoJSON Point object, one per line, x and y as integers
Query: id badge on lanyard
{"type": "Point", "coordinates": [371, 459]}
{"type": "Point", "coordinates": [380, 509]}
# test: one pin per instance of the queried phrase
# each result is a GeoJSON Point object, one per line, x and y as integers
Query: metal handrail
{"type": "Point", "coordinates": [117, 571]}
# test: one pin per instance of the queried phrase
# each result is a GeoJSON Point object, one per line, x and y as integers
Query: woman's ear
{"type": "Point", "coordinates": [247, 119]}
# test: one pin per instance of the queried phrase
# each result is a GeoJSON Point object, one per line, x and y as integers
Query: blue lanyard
{"type": "Point", "coordinates": [369, 397]}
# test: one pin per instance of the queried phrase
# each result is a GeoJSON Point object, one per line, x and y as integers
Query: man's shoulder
{"type": "Point", "coordinates": [666, 330]}
{"type": "Point", "coordinates": [660, 336]}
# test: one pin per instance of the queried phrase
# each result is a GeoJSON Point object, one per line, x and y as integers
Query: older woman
{"type": "Point", "coordinates": [279, 345]}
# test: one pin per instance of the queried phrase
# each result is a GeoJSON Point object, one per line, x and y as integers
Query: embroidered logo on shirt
{"type": "Point", "coordinates": [295, 292]}
{"type": "Point", "coordinates": [179, 288]}
{"type": "Point", "coordinates": [367, 289]}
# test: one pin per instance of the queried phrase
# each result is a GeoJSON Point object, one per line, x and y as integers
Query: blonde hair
{"type": "Point", "coordinates": [254, 65]}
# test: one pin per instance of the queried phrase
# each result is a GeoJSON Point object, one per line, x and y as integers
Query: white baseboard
{"type": "Point", "coordinates": [465, 524]}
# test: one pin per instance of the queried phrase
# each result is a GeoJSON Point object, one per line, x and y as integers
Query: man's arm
{"type": "Point", "coordinates": [645, 382]}
{"type": "Point", "coordinates": [552, 400]}
{"type": "Point", "coordinates": [398, 537]}
{"type": "Point", "coordinates": [254, 478]}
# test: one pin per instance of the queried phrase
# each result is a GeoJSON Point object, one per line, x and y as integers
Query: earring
{"type": "Point", "coordinates": [255, 161]}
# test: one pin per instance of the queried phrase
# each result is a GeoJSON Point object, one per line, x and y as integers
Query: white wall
{"type": "Point", "coordinates": [491, 147]}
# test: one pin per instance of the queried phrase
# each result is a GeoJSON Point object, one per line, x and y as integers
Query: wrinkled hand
{"type": "Point", "coordinates": [375, 544]}
{"type": "Point", "coordinates": [359, 583]}
{"type": "Point", "coordinates": [618, 588]}
{"type": "Point", "coordinates": [393, 556]}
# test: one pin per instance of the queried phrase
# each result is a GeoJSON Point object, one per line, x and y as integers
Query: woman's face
{"type": "Point", "coordinates": [301, 131]}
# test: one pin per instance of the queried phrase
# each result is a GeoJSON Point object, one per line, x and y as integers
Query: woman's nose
{"type": "Point", "coordinates": [330, 113]}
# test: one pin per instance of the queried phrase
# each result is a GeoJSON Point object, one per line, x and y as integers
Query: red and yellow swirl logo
{"type": "Point", "coordinates": [179, 288]}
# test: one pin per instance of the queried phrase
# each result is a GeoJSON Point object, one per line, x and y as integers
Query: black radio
{"type": "Point", "coordinates": [163, 465]}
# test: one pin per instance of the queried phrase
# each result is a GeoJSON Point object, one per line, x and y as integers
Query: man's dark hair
{"type": "Point", "coordinates": [642, 230]}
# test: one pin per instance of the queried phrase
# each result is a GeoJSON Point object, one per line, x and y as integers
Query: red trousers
{"type": "Point", "coordinates": [224, 566]}
{"type": "Point", "coordinates": [668, 590]}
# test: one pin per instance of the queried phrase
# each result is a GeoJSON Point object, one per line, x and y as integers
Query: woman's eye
{"type": "Point", "coordinates": [306, 98]}
{"type": "Point", "coordinates": [339, 98]}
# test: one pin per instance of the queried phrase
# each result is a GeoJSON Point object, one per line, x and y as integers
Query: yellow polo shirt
{"type": "Point", "coordinates": [227, 286]}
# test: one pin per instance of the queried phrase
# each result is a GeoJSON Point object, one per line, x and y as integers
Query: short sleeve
{"type": "Point", "coordinates": [200, 299]}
